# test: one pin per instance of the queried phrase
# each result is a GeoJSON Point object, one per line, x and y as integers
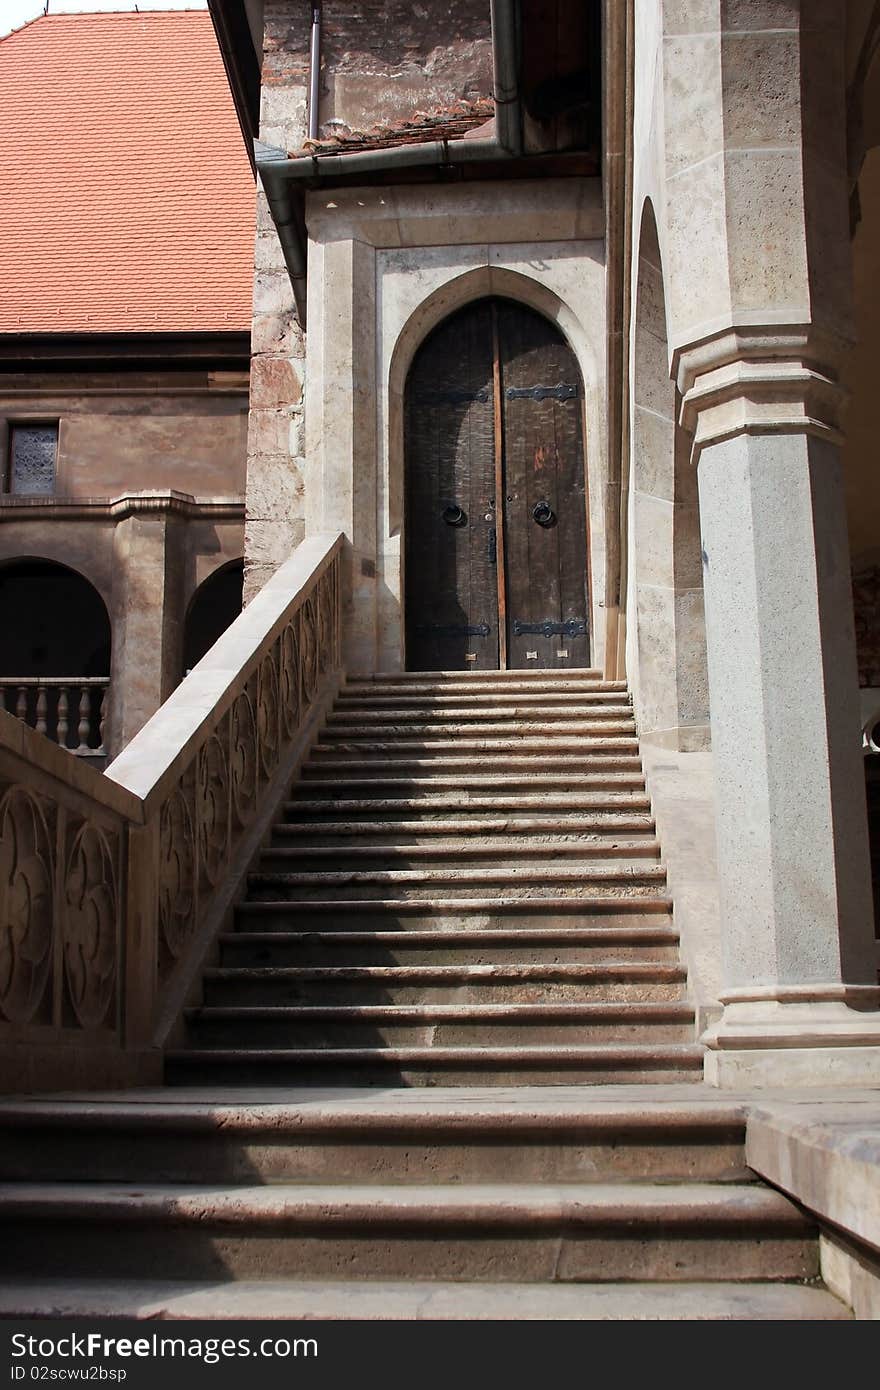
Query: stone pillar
{"type": "Point", "coordinates": [274, 506]}
{"type": "Point", "coordinates": [341, 481]}
{"type": "Point", "coordinates": [799, 974]}
{"type": "Point", "coordinates": [147, 619]}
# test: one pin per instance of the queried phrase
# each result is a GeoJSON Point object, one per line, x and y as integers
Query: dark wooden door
{"type": "Point", "coordinates": [496, 550]}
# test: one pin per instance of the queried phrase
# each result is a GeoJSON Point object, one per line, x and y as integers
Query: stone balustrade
{"type": "Point", "coordinates": [113, 887]}
{"type": "Point", "coordinates": [70, 710]}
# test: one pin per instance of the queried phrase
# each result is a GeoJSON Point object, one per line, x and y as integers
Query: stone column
{"type": "Point", "coordinates": [147, 618]}
{"type": "Point", "coordinates": [798, 968]}
{"type": "Point", "coordinates": [341, 481]}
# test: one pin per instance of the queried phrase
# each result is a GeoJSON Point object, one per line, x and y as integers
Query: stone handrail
{"type": "Point", "coordinates": [61, 707]}
{"type": "Point", "coordinates": [113, 887]}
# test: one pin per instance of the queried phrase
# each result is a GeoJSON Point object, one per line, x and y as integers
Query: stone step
{"type": "Point", "coordinates": [438, 698]}
{"type": "Point", "coordinates": [502, 764]}
{"type": "Point", "coordinates": [436, 749]}
{"type": "Point", "coordinates": [491, 914]}
{"type": "Point", "coordinates": [335, 785]}
{"type": "Point", "coordinates": [589, 947]}
{"type": "Point", "coordinates": [500, 983]}
{"type": "Point", "coordinates": [426, 732]}
{"type": "Point", "coordinates": [420, 723]}
{"type": "Point", "coordinates": [596, 1064]}
{"type": "Point", "coordinates": [590, 675]}
{"type": "Point", "coordinates": [404, 1137]}
{"type": "Point", "coordinates": [407, 832]}
{"type": "Point", "coordinates": [541, 881]}
{"type": "Point", "coordinates": [478, 851]}
{"type": "Point", "coordinates": [445, 803]}
{"type": "Point", "coordinates": [386, 1301]}
{"type": "Point", "coordinates": [531, 1232]}
{"type": "Point", "coordinates": [438, 1025]}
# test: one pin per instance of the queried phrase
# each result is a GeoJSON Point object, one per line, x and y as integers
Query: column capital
{"type": "Point", "coordinates": [765, 379]}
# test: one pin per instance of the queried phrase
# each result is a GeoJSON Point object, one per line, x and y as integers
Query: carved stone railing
{"type": "Point", "coordinates": [70, 710]}
{"type": "Point", "coordinates": [114, 887]}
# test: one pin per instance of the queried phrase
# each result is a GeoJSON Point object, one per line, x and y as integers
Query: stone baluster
{"type": "Point", "coordinates": [42, 707]}
{"type": "Point", "coordinates": [102, 716]}
{"type": "Point", "coordinates": [21, 703]}
{"type": "Point", "coordinates": [63, 721]}
{"type": "Point", "coordinates": [84, 719]}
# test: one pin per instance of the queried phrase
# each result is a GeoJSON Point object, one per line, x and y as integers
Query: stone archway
{"type": "Point", "coordinates": [574, 328]}
{"type": "Point", "coordinates": [215, 604]}
{"type": "Point", "coordinates": [496, 570]}
{"type": "Point", "coordinates": [666, 628]}
{"type": "Point", "coordinates": [54, 651]}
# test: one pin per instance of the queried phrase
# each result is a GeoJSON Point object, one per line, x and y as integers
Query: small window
{"type": "Point", "coordinates": [32, 450]}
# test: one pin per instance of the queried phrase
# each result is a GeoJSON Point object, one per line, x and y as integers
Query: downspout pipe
{"type": "Point", "coordinates": [288, 215]}
{"type": "Point", "coordinates": [281, 176]}
{"type": "Point", "coordinates": [505, 61]}
{"type": "Point", "coordinates": [315, 70]}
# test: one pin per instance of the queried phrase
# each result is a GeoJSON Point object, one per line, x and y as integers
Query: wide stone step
{"type": "Point", "coordinates": [492, 713]}
{"type": "Point", "coordinates": [407, 832]}
{"type": "Point", "coordinates": [557, 1136]}
{"type": "Point", "coordinates": [478, 851]}
{"type": "Point", "coordinates": [542, 881]}
{"type": "Point", "coordinates": [584, 946]}
{"type": "Point", "coordinates": [387, 1301]}
{"type": "Point", "coordinates": [426, 732]}
{"type": "Point", "coordinates": [501, 983]}
{"type": "Point", "coordinates": [490, 722]}
{"type": "Point", "coordinates": [598, 1064]}
{"type": "Point", "coordinates": [423, 1024]}
{"type": "Point", "coordinates": [336, 785]}
{"type": "Point", "coordinates": [491, 914]}
{"type": "Point", "coordinates": [435, 750]}
{"type": "Point", "coordinates": [438, 698]}
{"type": "Point", "coordinates": [450, 1136]}
{"type": "Point", "coordinates": [503, 765]}
{"type": "Point", "coordinates": [485, 1232]}
{"type": "Point", "coordinates": [446, 803]}
{"type": "Point", "coordinates": [589, 675]}
{"type": "Point", "coordinates": [425, 885]}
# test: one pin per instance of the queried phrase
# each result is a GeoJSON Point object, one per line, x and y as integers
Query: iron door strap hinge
{"type": "Point", "coordinates": [573, 627]}
{"type": "Point", "coordinates": [453, 629]}
{"type": "Point", "coordinates": [565, 391]}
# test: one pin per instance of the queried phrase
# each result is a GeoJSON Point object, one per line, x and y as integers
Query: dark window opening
{"type": "Point", "coordinates": [216, 603]}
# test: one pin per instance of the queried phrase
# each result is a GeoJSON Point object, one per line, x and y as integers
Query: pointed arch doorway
{"type": "Point", "coordinates": [496, 547]}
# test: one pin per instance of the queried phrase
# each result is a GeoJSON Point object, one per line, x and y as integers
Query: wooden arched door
{"type": "Point", "coordinates": [495, 509]}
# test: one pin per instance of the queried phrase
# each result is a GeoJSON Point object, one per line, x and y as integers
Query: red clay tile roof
{"type": "Point", "coordinates": [444, 123]}
{"type": "Point", "coordinates": [127, 198]}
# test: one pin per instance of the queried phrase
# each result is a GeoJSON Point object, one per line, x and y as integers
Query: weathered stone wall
{"type": "Point", "coordinates": [138, 430]}
{"type": "Point", "coordinates": [380, 62]}
{"type": "Point", "coordinates": [380, 59]}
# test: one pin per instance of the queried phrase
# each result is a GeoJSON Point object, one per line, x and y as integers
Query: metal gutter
{"type": "Point", "coordinates": [285, 180]}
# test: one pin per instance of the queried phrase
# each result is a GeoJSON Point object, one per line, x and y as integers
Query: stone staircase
{"type": "Point", "coordinates": [462, 901]}
{"type": "Point", "coordinates": [465, 888]}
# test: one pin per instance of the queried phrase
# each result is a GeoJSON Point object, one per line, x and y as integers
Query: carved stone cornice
{"type": "Point", "coordinates": [171, 502]}
{"type": "Point", "coordinates": [765, 380]}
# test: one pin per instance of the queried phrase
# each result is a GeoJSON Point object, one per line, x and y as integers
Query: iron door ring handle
{"type": "Point", "coordinates": [544, 514]}
{"type": "Point", "coordinates": [453, 515]}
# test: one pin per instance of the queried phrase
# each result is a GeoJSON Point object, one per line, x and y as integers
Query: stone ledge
{"type": "Point", "coordinates": [151, 502]}
{"type": "Point", "coordinates": [827, 1157]}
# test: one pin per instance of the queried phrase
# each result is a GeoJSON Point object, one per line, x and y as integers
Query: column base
{"type": "Point", "coordinates": [795, 1043]}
